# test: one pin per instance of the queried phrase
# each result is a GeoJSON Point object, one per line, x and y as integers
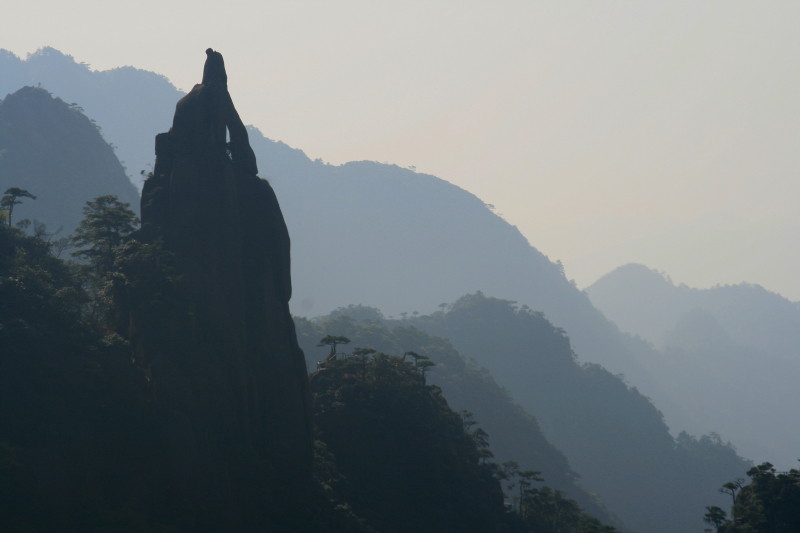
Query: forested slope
{"type": "Point", "coordinates": [613, 436]}
{"type": "Point", "coordinates": [514, 435]}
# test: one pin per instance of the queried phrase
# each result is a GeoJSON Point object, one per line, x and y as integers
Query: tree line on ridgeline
{"type": "Point", "coordinates": [769, 503]}
{"type": "Point", "coordinates": [378, 416]}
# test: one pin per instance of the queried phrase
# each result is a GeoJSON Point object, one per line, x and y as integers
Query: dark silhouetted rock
{"type": "Point", "coordinates": [222, 349]}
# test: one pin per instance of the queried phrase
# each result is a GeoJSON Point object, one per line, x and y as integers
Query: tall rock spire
{"type": "Point", "coordinates": [228, 376]}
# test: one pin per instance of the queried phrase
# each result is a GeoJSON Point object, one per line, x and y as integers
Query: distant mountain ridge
{"type": "Point", "coordinates": [733, 349]}
{"type": "Point", "coordinates": [130, 104]}
{"type": "Point", "coordinates": [751, 313]}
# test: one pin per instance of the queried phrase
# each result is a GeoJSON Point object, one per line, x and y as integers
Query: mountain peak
{"type": "Point", "coordinates": [635, 273]}
{"type": "Point", "coordinates": [240, 373]}
{"type": "Point", "coordinates": [53, 150]}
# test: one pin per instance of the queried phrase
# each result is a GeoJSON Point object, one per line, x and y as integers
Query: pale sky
{"type": "Point", "coordinates": [659, 132]}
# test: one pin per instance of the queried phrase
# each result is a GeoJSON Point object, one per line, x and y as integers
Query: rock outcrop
{"type": "Point", "coordinates": [221, 348]}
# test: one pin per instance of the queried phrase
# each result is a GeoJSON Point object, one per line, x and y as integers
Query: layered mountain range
{"type": "Point", "coordinates": [376, 234]}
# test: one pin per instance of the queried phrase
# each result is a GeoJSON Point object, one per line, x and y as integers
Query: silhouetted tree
{"type": "Point", "coordinates": [333, 341]}
{"type": "Point", "coordinates": [421, 362]}
{"type": "Point", "coordinates": [732, 488]}
{"type": "Point", "coordinates": [106, 225]}
{"type": "Point", "coordinates": [716, 517]}
{"type": "Point", "coordinates": [12, 197]}
{"type": "Point", "coordinates": [363, 355]}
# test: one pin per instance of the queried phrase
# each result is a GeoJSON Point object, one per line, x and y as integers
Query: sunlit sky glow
{"type": "Point", "coordinates": [609, 132]}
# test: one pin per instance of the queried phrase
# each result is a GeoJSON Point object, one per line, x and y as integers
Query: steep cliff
{"type": "Point", "coordinates": [222, 349]}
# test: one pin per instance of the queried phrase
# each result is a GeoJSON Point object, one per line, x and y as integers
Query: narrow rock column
{"type": "Point", "coordinates": [228, 375]}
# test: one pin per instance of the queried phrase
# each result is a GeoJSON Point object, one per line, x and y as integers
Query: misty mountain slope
{"type": "Point", "coordinates": [732, 349]}
{"type": "Point", "coordinates": [617, 295]}
{"type": "Point", "coordinates": [613, 436]}
{"type": "Point", "coordinates": [375, 227]}
{"type": "Point", "coordinates": [53, 151]}
{"type": "Point", "coordinates": [753, 316]}
{"type": "Point", "coordinates": [514, 435]}
{"type": "Point", "coordinates": [378, 227]}
{"type": "Point", "coordinates": [401, 241]}
{"type": "Point", "coordinates": [131, 105]}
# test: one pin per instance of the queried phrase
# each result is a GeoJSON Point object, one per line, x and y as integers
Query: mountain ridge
{"type": "Point", "coordinates": [606, 427]}
{"type": "Point", "coordinates": [732, 348]}
{"type": "Point", "coordinates": [51, 149]}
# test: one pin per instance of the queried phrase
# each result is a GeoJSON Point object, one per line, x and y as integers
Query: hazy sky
{"type": "Point", "coordinates": [660, 132]}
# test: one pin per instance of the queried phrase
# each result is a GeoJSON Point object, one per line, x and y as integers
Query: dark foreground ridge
{"type": "Point", "coordinates": [221, 345]}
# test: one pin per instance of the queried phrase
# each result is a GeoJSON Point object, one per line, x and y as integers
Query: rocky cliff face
{"type": "Point", "coordinates": [222, 349]}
